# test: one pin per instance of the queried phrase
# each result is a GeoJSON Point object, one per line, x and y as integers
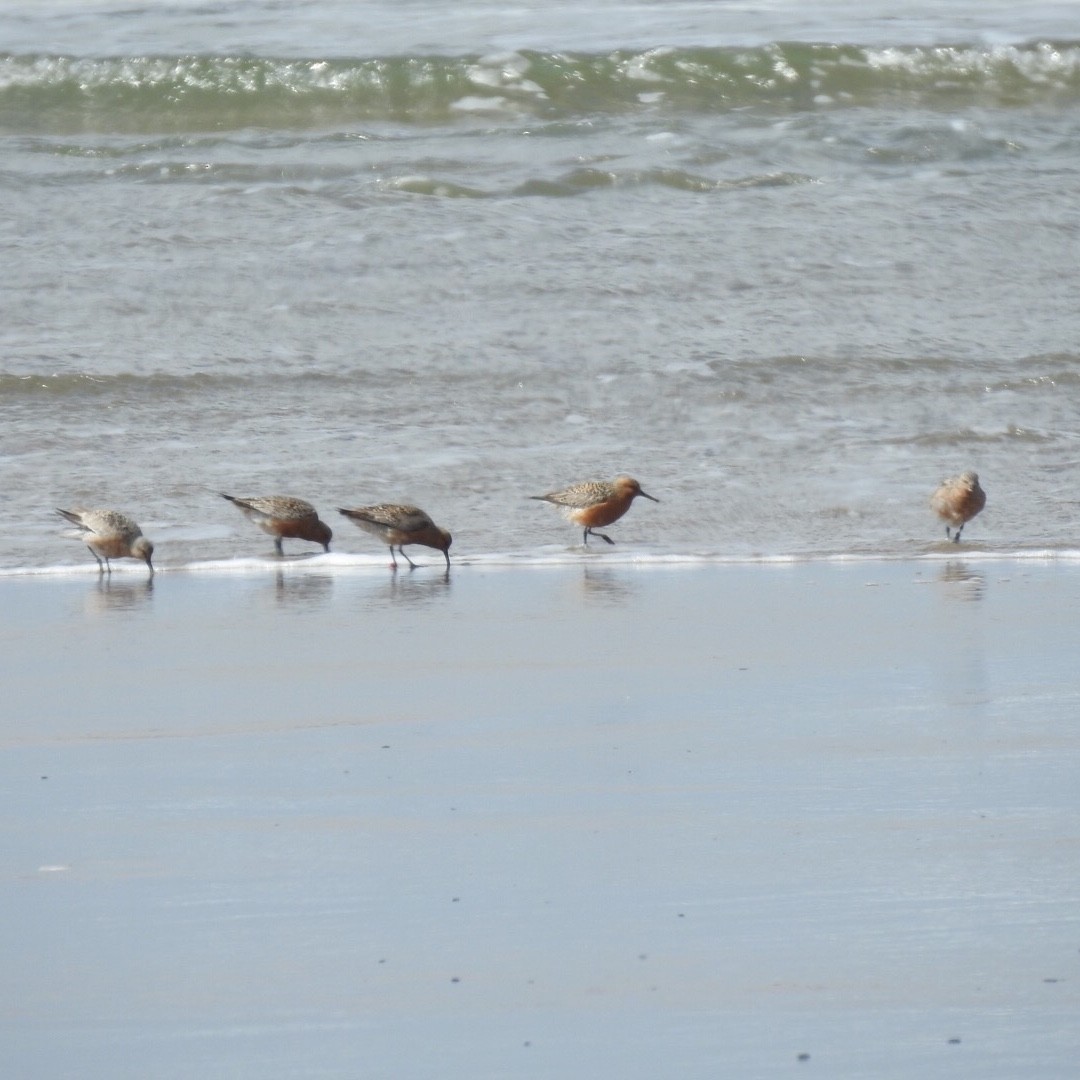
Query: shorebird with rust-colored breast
{"type": "Point", "coordinates": [396, 524]}
{"type": "Point", "coordinates": [596, 503]}
{"type": "Point", "coordinates": [110, 535]}
{"type": "Point", "coordinates": [284, 518]}
{"type": "Point", "coordinates": [957, 501]}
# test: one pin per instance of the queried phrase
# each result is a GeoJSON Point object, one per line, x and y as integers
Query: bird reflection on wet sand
{"type": "Point", "coordinates": [412, 589]}
{"type": "Point", "coordinates": [963, 583]}
{"type": "Point", "coordinates": [302, 590]}
{"type": "Point", "coordinates": [108, 595]}
{"type": "Point", "coordinates": [606, 586]}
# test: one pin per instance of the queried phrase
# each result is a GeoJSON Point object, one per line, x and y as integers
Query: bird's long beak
{"type": "Point", "coordinates": [647, 495]}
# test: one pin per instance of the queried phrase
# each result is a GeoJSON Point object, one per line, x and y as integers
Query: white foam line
{"type": "Point", "coordinates": [552, 557]}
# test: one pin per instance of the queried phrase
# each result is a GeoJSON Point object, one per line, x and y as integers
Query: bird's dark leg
{"type": "Point", "coordinates": [277, 547]}
{"type": "Point", "coordinates": [100, 564]}
{"type": "Point", "coordinates": [603, 536]}
{"type": "Point", "coordinates": [393, 557]}
{"type": "Point", "coordinates": [956, 538]}
{"type": "Point", "coordinates": [401, 548]}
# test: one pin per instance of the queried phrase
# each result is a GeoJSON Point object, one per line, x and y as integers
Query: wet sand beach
{"type": "Point", "coordinates": [570, 821]}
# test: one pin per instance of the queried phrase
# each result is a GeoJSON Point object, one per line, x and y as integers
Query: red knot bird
{"type": "Point", "coordinates": [957, 501]}
{"type": "Point", "coordinates": [596, 503]}
{"type": "Point", "coordinates": [399, 525]}
{"type": "Point", "coordinates": [110, 535]}
{"type": "Point", "coordinates": [284, 518]}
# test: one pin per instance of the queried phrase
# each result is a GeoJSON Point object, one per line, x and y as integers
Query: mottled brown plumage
{"type": "Point", "coordinates": [110, 535]}
{"type": "Point", "coordinates": [396, 524]}
{"type": "Point", "coordinates": [957, 501]}
{"type": "Point", "coordinates": [595, 503]}
{"type": "Point", "coordinates": [284, 518]}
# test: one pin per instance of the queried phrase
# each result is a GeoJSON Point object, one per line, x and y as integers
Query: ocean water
{"type": "Point", "coordinates": [789, 264]}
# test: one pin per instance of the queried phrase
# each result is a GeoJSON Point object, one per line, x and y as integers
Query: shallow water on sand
{"type": "Point", "coordinates": [566, 821]}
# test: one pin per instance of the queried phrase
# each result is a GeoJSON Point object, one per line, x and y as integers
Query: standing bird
{"type": "Point", "coordinates": [957, 501]}
{"type": "Point", "coordinates": [110, 535]}
{"type": "Point", "coordinates": [283, 517]}
{"type": "Point", "coordinates": [394, 524]}
{"type": "Point", "coordinates": [596, 502]}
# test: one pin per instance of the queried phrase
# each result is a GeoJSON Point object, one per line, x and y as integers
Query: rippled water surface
{"type": "Point", "coordinates": [789, 266]}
